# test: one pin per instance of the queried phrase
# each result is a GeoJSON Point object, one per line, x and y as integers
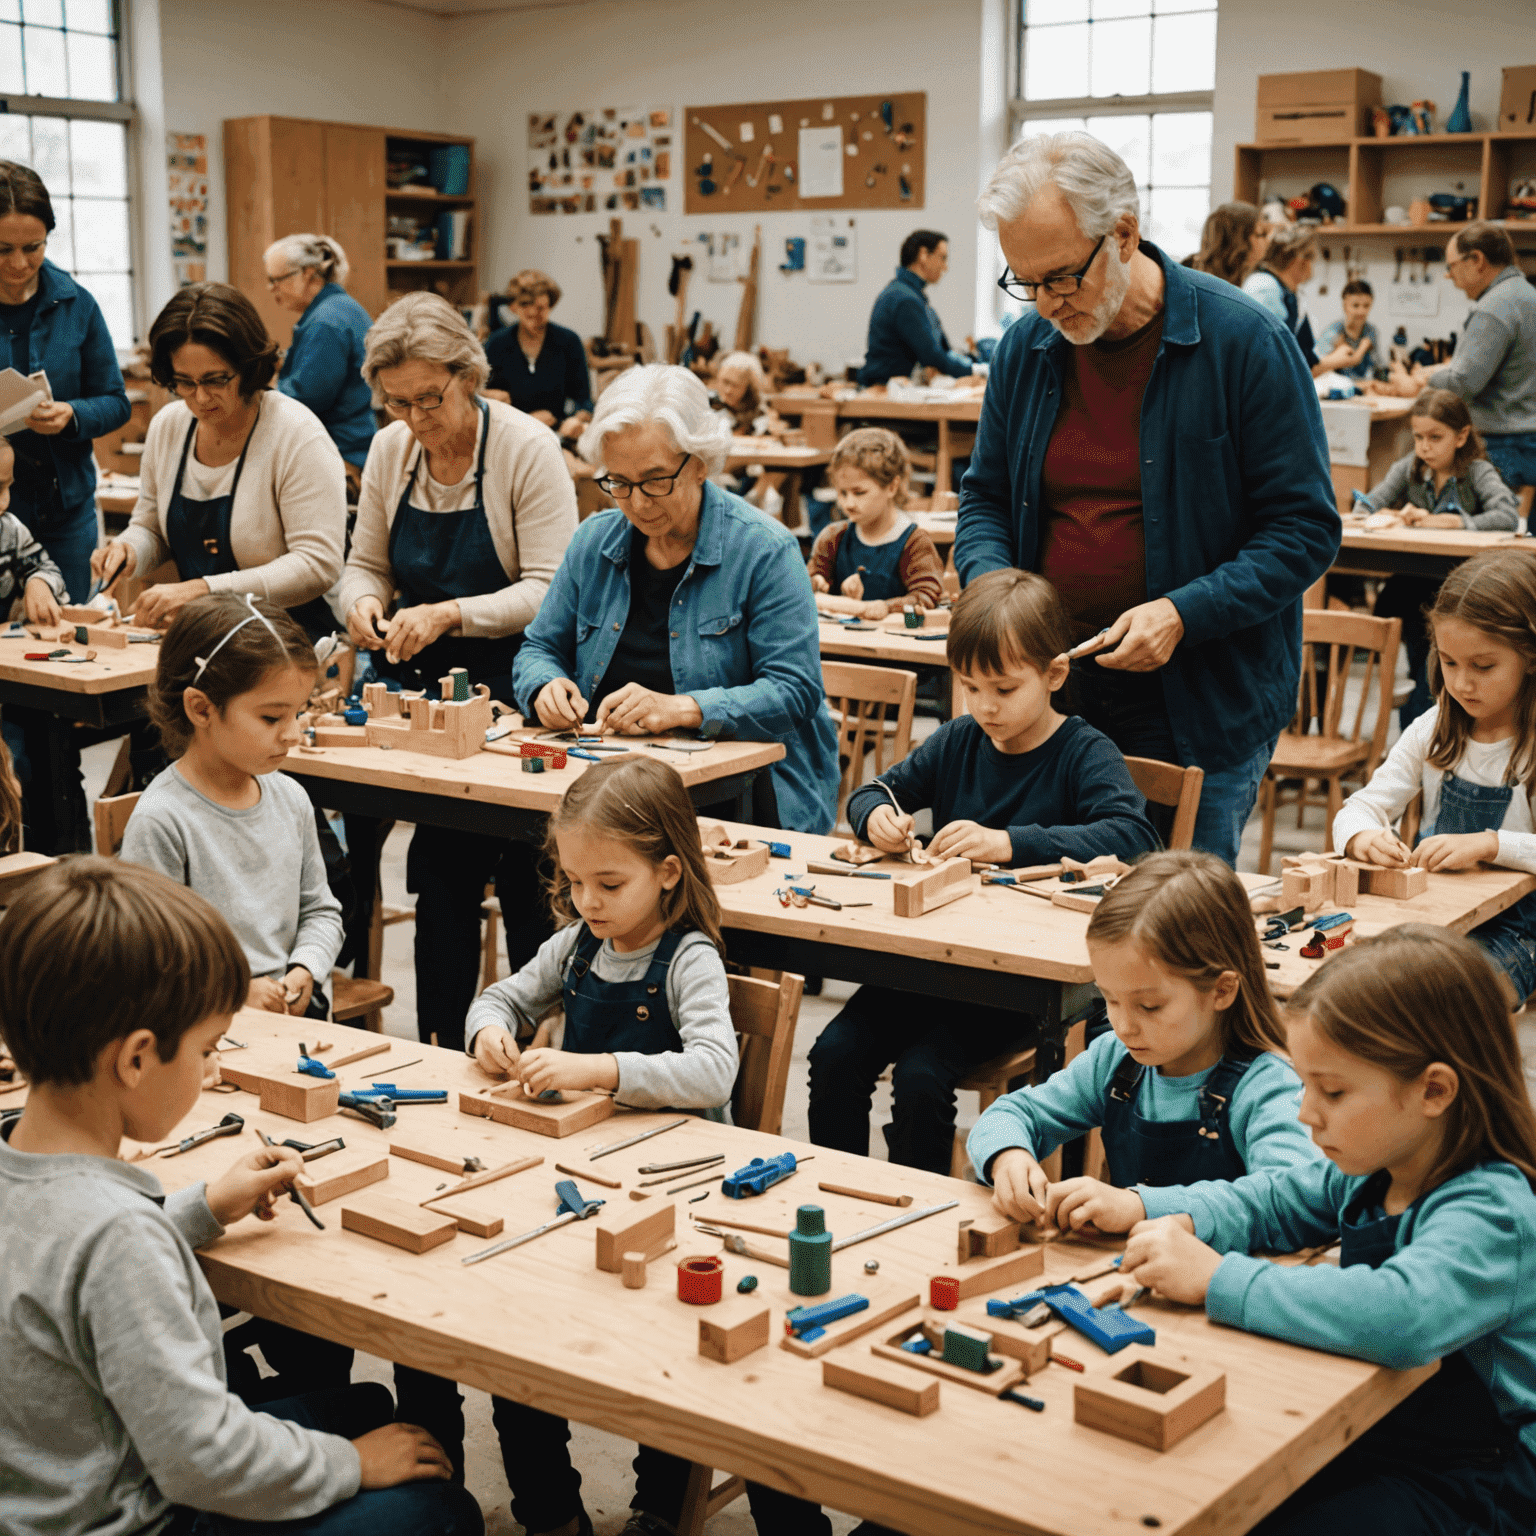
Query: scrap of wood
{"type": "Point", "coordinates": [978, 1277]}
{"type": "Point", "coordinates": [293, 1095]}
{"type": "Point", "coordinates": [490, 1176]}
{"type": "Point", "coordinates": [732, 864]}
{"type": "Point", "coordinates": [885, 1302]}
{"type": "Point", "coordinates": [508, 1105]}
{"type": "Point", "coordinates": [882, 1381]}
{"type": "Point", "coordinates": [589, 1176]}
{"type": "Point", "coordinates": [652, 1233]}
{"type": "Point", "coordinates": [343, 1173]}
{"type": "Point", "coordinates": [859, 1194]}
{"type": "Point", "coordinates": [738, 1328]}
{"type": "Point", "coordinates": [473, 1219]}
{"type": "Point", "coordinates": [360, 1055]}
{"type": "Point", "coordinates": [1009, 1371]}
{"type": "Point", "coordinates": [856, 853]}
{"type": "Point", "coordinates": [945, 882]}
{"type": "Point", "coordinates": [395, 1222]}
{"type": "Point", "coordinates": [987, 1237]}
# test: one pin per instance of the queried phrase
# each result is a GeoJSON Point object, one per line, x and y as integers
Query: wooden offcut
{"type": "Point", "coordinates": [652, 1233]}
{"type": "Point", "coordinates": [342, 1173]}
{"type": "Point", "coordinates": [1008, 1269]}
{"type": "Point", "coordinates": [885, 1302]}
{"type": "Point", "coordinates": [1009, 1371]}
{"type": "Point", "coordinates": [987, 1237]}
{"type": "Point", "coordinates": [1150, 1396]}
{"type": "Point", "coordinates": [936, 887]}
{"type": "Point", "coordinates": [398, 1224]}
{"type": "Point", "coordinates": [508, 1105]}
{"type": "Point", "coordinates": [473, 1219]}
{"type": "Point", "coordinates": [882, 1381]}
{"type": "Point", "coordinates": [734, 1329]}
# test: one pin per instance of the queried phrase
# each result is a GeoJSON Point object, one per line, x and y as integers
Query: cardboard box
{"type": "Point", "coordinates": [1517, 101]}
{"type": "Point", "coordinates": [1315, 105]}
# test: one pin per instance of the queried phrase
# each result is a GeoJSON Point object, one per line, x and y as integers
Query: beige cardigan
{"type": "Point", "coordinates": [530, 504]}
{"type": "Point", "coordinates": [288, 526]}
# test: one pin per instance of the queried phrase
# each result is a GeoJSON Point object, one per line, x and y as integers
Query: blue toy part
{"type": "Point", "coordinates": [808, 1322]}
{"type": "Point", "coordinates": [777, 850]}
{"type": "Point", "coordinates": [406, 1095]}
{"type": "Point", "coordinates": [921, 1345]}
{"type": "Point", "coordinates": [758, 1175]}
{"type": "Point", "coordinates": [1022, 1304]}
{"type": "Point", "coordinates": [1332, 920]}
{"type": "Point", "coordinates": [1111, 1331]}
{"type": "Point", "coordinates": [312, 1068]}
{"type": "Point", "coordinates": [353, 712]}
{"type": "Point", "coordinates": [572, 1200]}
{"type": "Point", "coordinates": [794, 254]}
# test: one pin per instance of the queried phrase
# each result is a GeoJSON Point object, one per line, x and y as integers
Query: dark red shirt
{"type": "Point", "coordinates": [1092, 546]}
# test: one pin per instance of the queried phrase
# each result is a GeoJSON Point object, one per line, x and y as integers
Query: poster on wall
{"type": "Point", "coordinates": [187, 162]}
{"type": "Point", "coordinates": [600, 160]}
{"type": "Point", "coordinates": [833, 250]}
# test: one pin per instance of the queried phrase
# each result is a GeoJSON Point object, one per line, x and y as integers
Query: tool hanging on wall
{"type": "Point", "coordinates": [746, 316]}
{"type": "Point", "coordinates": [1322, 287]}
{"type": "Point", "coordinates": [677, 286]}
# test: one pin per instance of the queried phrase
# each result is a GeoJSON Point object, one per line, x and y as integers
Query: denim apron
{"type": "Point", "coordinates": [1162, 1152]}
{"type": "Point", "coordinates": [618, 1015]}
{"type": "Point", "coordinates": [881, 565]}
{"type": "Point", "coordinates": [438, 557]}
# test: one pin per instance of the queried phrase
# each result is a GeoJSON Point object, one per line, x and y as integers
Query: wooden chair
{"type": "Point", "coordinates": [1335, 750]}
{"type": "Point", "coordinates": [872, 707]}
{"type": "Point", "coordinates": [110, 816]}
{"type": "Point", "coordinates": [1167, 784]}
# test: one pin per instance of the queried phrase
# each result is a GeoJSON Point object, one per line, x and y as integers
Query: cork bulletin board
{"type": "Point", "coordinates": [824, 153]}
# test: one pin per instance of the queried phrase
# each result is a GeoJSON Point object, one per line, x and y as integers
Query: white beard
{"type": "Point", "coordinates": [1084, 329]}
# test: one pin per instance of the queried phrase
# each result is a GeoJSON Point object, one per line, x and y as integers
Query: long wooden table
{"type": "Point", "coordinates": [1420, 551]}
{"type": "Point", "coordinates": [888, 645]}
{"type": "Point", "coordinates": [542, 1325]}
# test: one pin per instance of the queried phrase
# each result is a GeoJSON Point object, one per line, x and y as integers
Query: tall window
{"type": "Point", "coordinates": [60, 77]}
{"type": "Point", "coordinates": [1140, 75]}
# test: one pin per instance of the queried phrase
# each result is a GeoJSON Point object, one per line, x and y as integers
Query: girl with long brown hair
{"type": "Point", "coordinates": [1233, 242]}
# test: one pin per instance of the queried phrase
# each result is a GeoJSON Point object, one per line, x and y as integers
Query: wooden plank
{"type": "Point", "coordinates": [507, 1105]}
{"type": "Point", "coordinates": [476, 1220]}
{"type": "Point", "coordinates": [980, 1277]}
{"type": "Point", "coordinates": [620, 1231]}
{"type": "Point", "coordinates": [342, 1173]}
{"type": "Point", "coordinates": [398, 1224]}
{"type": "Point", "coordinates": [881, 1381]}
{"type": "Point", "coordinates": [934, 888]}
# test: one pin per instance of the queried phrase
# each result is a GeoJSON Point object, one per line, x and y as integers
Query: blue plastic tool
{"type": "Point", "coordinates": [777, 850]}
{"type": "Point", "coordinates": [309, 1065]}
{"type": "Point", "coordinates": [809, 1322]}
{"type": "Point", "coordinates": [572, 1200]}
{"type": "Point", "coordinates": [758, 1175]}
{"type": "Point", "coordinates": [1110, 1330]}
{"type": "Point", "coordinates": [404, 1095]}
{"type": "Point", "coordinates": [591, 757]}
{"type": "Point", "coordinates": [1332, 920]}
{"type": "Point", "coordinates": [1360, 496]}
{"type": "Point", "coordinates": [379, 1111]}
{"type": "Point", "coordinates": [921, 1345]}
{"type": "Point", "coordinates": [1037, 1403]}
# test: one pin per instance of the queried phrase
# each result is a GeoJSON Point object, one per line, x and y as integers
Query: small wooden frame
{"type": "Point", "coordinates": [400, 1225]}
{"type": "Point", "coordinates": [651, 1233]}
{"type": "Point", "coordinates": [342, 1173]}
{"type": "Point", "coordinates": [507, 1105]}
{"type": "Point", "coordinates": [737, 1327]}
{"type": "Point", "coordinates": [1030, 1346]}
{"type": "Point", "coordinates": [1148, 1396]}
{"type": "Point", "coordinates": [885, 1302]}
{"type": "Point", "coordinates": [1009, 1373]}
{"type": "Point", "coordinates": [987, 1237]}
{"type": "Point", "coordinates": [882, 1381]}
{"type": "Point", "coordinates": [943, 883]}
{"type": "Point", "coordinates": [739, 861]}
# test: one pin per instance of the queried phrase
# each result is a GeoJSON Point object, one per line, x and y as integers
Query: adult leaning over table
{"type": "Point", "coordinates": [1151, 443]}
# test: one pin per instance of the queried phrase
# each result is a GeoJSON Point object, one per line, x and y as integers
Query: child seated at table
{"type": "Point", "coordinates": [1413, 1088]}
{"type": "Point", "coordinates": [26, 572]}
{"type": "Point", "coordinates": [116, 985]}
{"type": "Point", "coordinates": [1012, 782]}
{"type": "Point", "coordinates": [1472, 756]}
{"type": "Point", "coordinates": [1188, 1085]}
{"type": "Point", "coordinates": [1350, 346]}
{"type": "Point", "coordinates": [877, 558]}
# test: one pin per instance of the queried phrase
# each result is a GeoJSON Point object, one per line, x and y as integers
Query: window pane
{"type": "Point", "coordinates": [1127, 136]}
{"type": "Point", "coordinates": [1184, 52]}
{"type": "Point", "coordinates": [61, 242]}
{"type": "Point", "coordinates": [1163, 7]}
{"type": "Point", "coordinates": [1033, 127]}
{"type": "Point", "coordinates": [1108, 9]}
{"type": "Point", "coordinates": [10, 10]}
{"type": "Point", "coordinates": [1041, 13]}
{"type": "Point", "coordinates": [1120, 51]}
{"type": "Point", "coordinates": [50, 153]}
{"type": "Point", "coordinates": [92, 67]}
{"type": "Point", "coordinates": [114, 292]}
{"type": "Point", "coordinates": [1177, 216]}
{"type": "Point", "coordinates": [97, 158]}
{"type": "Point", "coordinates": [1056, 62]}
{"type": "Point", "coordinates": [90, 16]}
{"type": "Point", "coordinates": [101, 234]}
{"type": "Point", "coordinates": [47, 13]}
{"type": "Point", "coordinates": [1181, 149]}
{"type": "Point", "coordinates": [15, 136]}
{"type": "Point", "coordinates": [43, 52]}
{"type": "Point", "coordinates": [11, 81]}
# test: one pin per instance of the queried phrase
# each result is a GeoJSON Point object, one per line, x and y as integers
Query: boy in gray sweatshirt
{"type": "Point", "coordinates": [116, 1418]}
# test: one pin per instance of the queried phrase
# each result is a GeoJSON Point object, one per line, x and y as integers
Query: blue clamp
{"type": "Point", "coordinates": [777, 850]}
{"type": "Point", "coordinates": [809, 1322]}
{"type": "Point", "coordinates": [308, 1064]}
{"type": "Point", "coordinates": [375, 1109]}
{"type": "Point", "coordinates": [921, 1345]}
{"type": "Point", "coordinates": [1110, 1329]}
{"type": "Point", "coordinates": [758, 1175]}
{"type": "Point", "coordinates": [572, 1201]}
{"type": "Point", "coordinates": [404, 1095]}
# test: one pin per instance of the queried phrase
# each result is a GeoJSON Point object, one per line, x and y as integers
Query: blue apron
{"type": "Point", "coordinates": [1299, 325]}
{"type": "Point", "coordinates": [1162, 1152]}
{"type": "Point", "coordinates": [438, 557]}
{"type": "Point", "coordinates": [619, 1015]}
{"type": "Point", "coordinates": [881, 565]}
{"type": "Point", "coordinates": [198, 534]}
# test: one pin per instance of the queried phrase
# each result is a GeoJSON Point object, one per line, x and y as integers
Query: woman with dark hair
{"type": "Point", "coordinates": [240, 486]}
{"type": "Point", "coordinates": [1232, 244]}
{"type": "Point", "coordinates": [49, 323]}
{"type": "Point", "coordinates": [540, 367]}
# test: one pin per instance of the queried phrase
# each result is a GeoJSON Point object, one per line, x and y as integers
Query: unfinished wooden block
{"type": "Point", "coordinates": [95, 634]}
{"type": "Point", "coordinates": [632, 1267]}
{"type": "Point", "coordinates": [1397, 884]}
{"type": "Point", "coordinates": [342, 1173]}
{"type": "Point", "coordinates": [400, 1225]}
{"type": "Point", "coordinates": [940, 885]}
{"type": "Point", "coordinates": [651, 1233]}
{"type": "Point", "coordinates": [1007, 1372]}
{"type": "Point", "coordinates": [1031, 1347]}
{"type": "Point", "coordinates": [981, 1276]}
{"type": "Point", "coordinates": [75, 613]}
{"type": "Point", "coordinates": [987, 1237]}
{"type": "Point", "coordinates": [289, 1094]}
{"type": "Point", "coordinates": [447, 1146]}
{"type": "Point", "coordinates": [341, 736]}
{"type": "Point", "coordinates": [450, 728]}
{"type": "Point", "coordinates": [507, 1105]}
{"type": "Point", "coordinates": [885, 1302]}
{"type": "Point", "coordinates": [1305, 883]}
{"type": "Point", "coordinates": [737, 1329]}
{"type": "Point", "coordinates": [473, 1219]}
{"type": "Point", "coordinates": [736, 862]}
{"type": "Point", "coordinates": [882, 1381]}
{"type": "Point", "coordinates": [1151, 1397]}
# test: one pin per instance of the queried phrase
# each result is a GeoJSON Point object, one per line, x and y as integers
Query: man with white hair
{"type": "Point", "coordinates": [1151, 443]}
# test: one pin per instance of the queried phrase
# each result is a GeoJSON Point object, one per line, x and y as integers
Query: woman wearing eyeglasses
{"type": "Point", "coordinates": [240, 486]}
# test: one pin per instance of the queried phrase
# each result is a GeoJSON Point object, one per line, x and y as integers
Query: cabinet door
{"type": "Point", "coordinates": [354, 187]}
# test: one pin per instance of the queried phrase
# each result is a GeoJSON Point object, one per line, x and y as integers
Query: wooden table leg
{"type": "Point", "coordinates": [941, 460]}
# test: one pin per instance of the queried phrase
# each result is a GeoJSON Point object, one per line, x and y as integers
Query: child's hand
{"type": "Point", "coordinates": [853, 586]}
{"type": "Point", "coordinates": [1417, 517]}
{"type": "Point", "coordinates": [875, 610]}
{"type": "Point", "coordinates": [1086, 1205]}
{"type": "Point", "coordinates": [253, 1183]}
{"type": "Point", "coordinates": [298, 987]}
{"type": "Point", "coordinates": [400, 1453]}
{"type": "Point", "coordinates": [496, 1051]}
{"type": "Point", "coordinates": [1166, 1256]}
{"type": "Point", "coordinates": [1378, 846]}
{"type": "Point", "coordinates": [544, 1069]}
{"type": "Point", "coordinates": [1456, 850]}
{"type": "Point", "coordinates": [1019, 1185]}
{"type": "Point", "coordinates": [820, 584]}
{"type": "Point", "coordinates": [971, 840]}
{"type": "Point", "coordinates": [266, 993]}
{"type": "Point", "coordinates": [888, 830]}
{"type": "Point", "coordinates": [39, 604]}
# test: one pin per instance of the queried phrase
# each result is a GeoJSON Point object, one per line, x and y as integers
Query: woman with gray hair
{"type": "Point", "coordinates": [1286, 266]}
{"type": "Point", "coordinates": [306, 275]}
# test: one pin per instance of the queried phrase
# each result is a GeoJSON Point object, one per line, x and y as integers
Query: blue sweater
{"type": "Point", "coordinates": [558, 382]}
{"type": "Point", "coordinates": [1239, 512]}
{"type": "Point", "coordinates": [1463, 1275]}
{"type": "Point", "coordinates": [1262, 1115]}
{"type": "Point", "coordinates": [1073, 795]}
{"type": "Point", "coordinates": [746, 646]}
{"type": "Point", "coordinates": [324, 369]}
{"type": "Point", "coordinates": [905, 331]}
{"type": "Point", "coordinates": [71, 341]}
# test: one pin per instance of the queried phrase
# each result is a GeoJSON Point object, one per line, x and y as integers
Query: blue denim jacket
{"type": "Point", "coordinates": [747, 647]}
{"type": "Point", "coordinates": [323, 369]}
{"type": "Point", "coordinates": [71, 341]}
{"type": "Point", "coordinates": [1238, 508]}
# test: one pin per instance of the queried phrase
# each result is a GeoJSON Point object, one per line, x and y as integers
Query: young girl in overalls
{"type": "Point", "coordinates": [1187, 1087]}
{"type": "Point", "coordinates": [1414, 1089]}
{"type": "Point", "coordinates": [1472, 757]}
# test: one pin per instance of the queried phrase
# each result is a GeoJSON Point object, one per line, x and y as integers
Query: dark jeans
{"type": "Point", "coordinates": [432, 1508]}
{"type": "Point", "coordinates": [304, 1364]}
{"type": "Point", "coordinates": [933, 1047]}
{"type": "Point", "coordinates": [69, 540]}
{"type": "Point", "coordinates": [1406, 598]}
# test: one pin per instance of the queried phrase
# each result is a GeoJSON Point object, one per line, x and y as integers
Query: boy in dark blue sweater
{"type": "Point", "coordinates": [1013, 782]}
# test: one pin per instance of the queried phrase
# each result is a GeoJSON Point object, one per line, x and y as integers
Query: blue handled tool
{"type": "Point", "coordinates": [403, 1095]}
{"type": "Point", "coordinates": [1332, 920]}
{"type": "Point", "coordinates": [1110, 1329]}
{"type": "Point", "coordinates": [590, 757]}
{"type": "Point", "coordinates": [573, 1206]}
{"type": "Point", "coordinates": [777, 850]}
{"type": "Point", "coordinates": [758, 1175]}
{"type": "Point", "coordinates": [376, 1110]}
{"type": "Point", "coordinates": [809, 1323]}
{"type": "Point", "coordinates": [1360, 496]}
{"type": "Point", "coordinates": [309, 1065]}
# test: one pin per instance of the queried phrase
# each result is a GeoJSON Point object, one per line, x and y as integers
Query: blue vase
{"type": "Point", "coordinates": [1460, 120]}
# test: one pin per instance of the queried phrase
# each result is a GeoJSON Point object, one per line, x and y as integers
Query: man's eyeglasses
{"type": "Point", "coordinates": [656, 485]}
{"type": "Point", "coordinates": [1062, 287]}
{"type": "Point", "coordinates": [421, 403]}
{"type": "Point", "coordinates": [212, 382]}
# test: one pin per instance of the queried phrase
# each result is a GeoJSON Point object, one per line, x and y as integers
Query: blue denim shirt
{"type": "Point", "coordinates": [1238, 508]}
{"type": "Point", "coordinates": [746, 645]}
{"type": "Point", "coordinates": [71, 341]}
{"type": "Point", "coordinates": [324, 369]}
{"type": "Point", "coordinates": [904, 330]}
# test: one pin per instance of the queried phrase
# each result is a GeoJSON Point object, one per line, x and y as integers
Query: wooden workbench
{"type": "Point", "coordinates": [1420, 551]}
{"type": "Point", "coordinates": [1388, 438]}
{"type": "Point", "coordinates": [887, 645]}
{"type": "Point", "coordinates": [542, 1325]}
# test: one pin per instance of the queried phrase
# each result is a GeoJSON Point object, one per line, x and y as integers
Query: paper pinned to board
{"type": "Point", "coordinates": [821, 161]}
{"type": "Point", "coordinates": [20, 395]}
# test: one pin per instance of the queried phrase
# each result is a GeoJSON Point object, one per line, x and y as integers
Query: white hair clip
{"type": "Point", "coordinates": [255, 613]}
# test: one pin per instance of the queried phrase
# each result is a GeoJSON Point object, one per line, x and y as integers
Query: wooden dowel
{"type": "Point", "coordinates": [744, 1226]}
{"type": "Point", "coordinates": [368, 1050]}
{"type": "Point", "coordinates": [474, 1181]}
{"type": "Point", "coordinates": [586, 1173]}
{"type": "Point", "coordinates": [863, 1194]}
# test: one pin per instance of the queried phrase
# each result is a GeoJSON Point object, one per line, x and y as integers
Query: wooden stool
{"type": "Point", "coordinates": [354, 998]}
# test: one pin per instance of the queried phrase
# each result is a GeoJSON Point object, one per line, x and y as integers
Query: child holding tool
{"type": "Point", "coordinates": [116, 1414]}
{"type": "Point", "coordinates": [1472, 756]}
{"type": "Point", "coordinates": [233, 675]}
{"type": "Point", "coordinates": [1188, 1085]}
{"type": "Point", "coordinates": [1351, 346]}
{"type": "Point", "coordinates": [1012, 782]}
{"type": "Point", "coordinates": [26, 572]}
{"type": "Point", "coordinates": [1414, 1090]}
{"type": "Point", "coordinates": [878, 557]}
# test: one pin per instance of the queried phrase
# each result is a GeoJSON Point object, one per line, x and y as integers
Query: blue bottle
{"type": "Point", "coordinates": [1460, 120]}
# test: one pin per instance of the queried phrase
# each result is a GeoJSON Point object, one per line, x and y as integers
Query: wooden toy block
{"type": "Point", "coordinates": [940, 885]}
{"type": "Point", "coordinates": [341, 736]}
{"type": "Point", "coordinates": [473, 1219]}
{"type": "Point", "coordinates": [633, 1271]}
{"type": "Point", "coordinates": [296, 1097]}
{"type": "Point", "coordinates": [506, 1105]}
{"type": "Point", "coordinates": [400, 1225]}
{"type": "Point", "coordinates": [95, 634]}
{"type": "Point", "coordinates": [1346, 882]}
{"type": "Point", "coordinates": [981, 1276]}
{"type": "Point", "coordinates": [1151, 1397]}
{"type": "Point", "coordinates": [885, 1302]}
{"type": "Point", "coordinates": [987, 1237]}
{"type": "Point", "coordinates": [342, 1173]}
{"type": "Point", "coordinates": [1008, 1372]}
{"type": "Point", "coordinates": [380, 703]}
{"type": "Point", "coordinates": [735, 1329]}
{"type": "Point", "coordinates": [651, 1233]}
{"type": "Point", "coordinates": [882, 1381]}
{"type": "Point", "coordinates": [1305, 883]}
{"type": "Point", "coordinates": [732, 864]}
{"type": "Point", "coordinates": [75, 613]}
{"type": "Point", "coordinates": [1397, 884]}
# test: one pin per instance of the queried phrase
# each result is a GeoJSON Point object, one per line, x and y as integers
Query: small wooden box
{"type": "Point", "coordinates": [1517, 100]}
{"type": "Point", "coordinates": [507, 1105]}
{"type": "Point", "coordinates": [1315, 106]}
{"type": "Point", "coordinates": [1149, 1396]}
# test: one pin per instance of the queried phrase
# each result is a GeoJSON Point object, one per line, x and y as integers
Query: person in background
{"type": "Point", "coordinates": [741, 391]}
{"type": "Point", "coordinates": [903, 328]}
{"type": "Point", "coordinates": [537, 366]}
{"type": "Point", "coordinates": [1286, 266]}
{"type": "Point", "coordinates": [1351, 346]}
{"type": "Point", "coordinates": [307, 275]}
{"type": "Point", "coordinates": [48, 322]}
{"type": "Point", "coordinates": [26, 572]}
{"type": "Point", "coordinates": [1232, 244]}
